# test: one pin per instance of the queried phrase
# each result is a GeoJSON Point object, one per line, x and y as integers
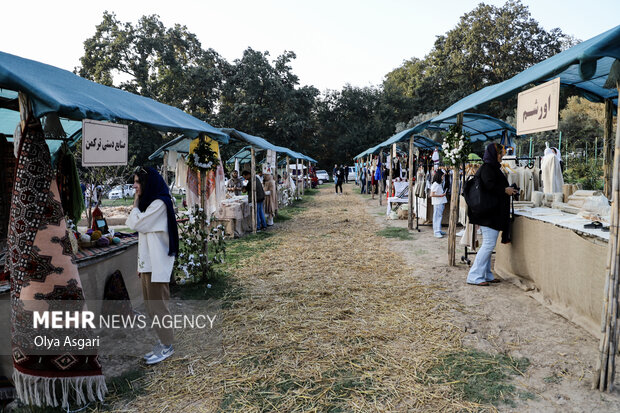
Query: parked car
{"type": "Point", "coordinates": [322, 175]}
{"type": "Point", "coordinates": [122, 191]}
{"type": "Point", "coordinates": [351, 176]}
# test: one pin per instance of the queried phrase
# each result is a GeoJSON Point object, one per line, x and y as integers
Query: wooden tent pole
{"type": "Point", "coordinates": [607, 146]}
{"type": "Point", "coordinates": [389, 191]}
{"type": "Point", "coordinates": [253, 181]}
{"type": "Point", "coordinates": [288, 176]}
{"type": "Point", "coordinates": [605, 369]}
{"type": "Point", "coordinates": [454, 200]}
{"type": "Point", "coordinates": [303, 179]}
{"type": "Point", "coordinates": [410, 179]}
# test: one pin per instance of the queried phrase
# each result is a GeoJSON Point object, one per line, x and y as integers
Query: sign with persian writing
{"type": "Point", "coordinates": [104, 143]}
{"type": "Point", "coordinates": [538, 108]}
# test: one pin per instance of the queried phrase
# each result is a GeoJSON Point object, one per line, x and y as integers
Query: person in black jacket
{"type": "Point", "coordinates": [260, 198]}
{"type": "Point", "coordinates": [496, 219]}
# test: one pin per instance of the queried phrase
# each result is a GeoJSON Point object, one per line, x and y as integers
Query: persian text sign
{"type": "Point", "coordinates": [538, 108]}
{"type": "Point", "coordinates": [104, 143]}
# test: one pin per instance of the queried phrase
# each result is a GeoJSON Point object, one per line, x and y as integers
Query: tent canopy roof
{"type": "Point", "coordinates": [262, 143]}
{"type": "Point", "coordinates": [56, 90]}
{"type": "Point", "coordinates": [584, 67]}
{"type": "Point", "coordinates": [480, 127]}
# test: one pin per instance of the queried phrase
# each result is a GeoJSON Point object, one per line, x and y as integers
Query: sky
{"type": "Point", "coordinates": [337, 42]}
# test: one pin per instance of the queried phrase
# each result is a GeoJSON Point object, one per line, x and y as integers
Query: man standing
{"type": "Point", "coordinates": [260, 198]}
{"type": "Point", "coordinates": [338, 178]}
{"type": "Point", "coordinates": [345, 172]}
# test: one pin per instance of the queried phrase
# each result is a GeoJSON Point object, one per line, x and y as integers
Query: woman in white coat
{"type": "Point", "coordinates": [158, 244]}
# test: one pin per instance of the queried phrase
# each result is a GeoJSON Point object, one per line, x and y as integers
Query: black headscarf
{"type": "Point", "coordinates": [490, 155]}
{"type": "Point", "coordinates": [154, 187]}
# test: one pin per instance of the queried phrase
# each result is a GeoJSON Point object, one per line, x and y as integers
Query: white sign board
{"type": "Point", "coordinates": [104, 143]}
{"type": "Point", "coordinates": [538, 108]}
{"type": "Point", "coordinates": [270, 162]}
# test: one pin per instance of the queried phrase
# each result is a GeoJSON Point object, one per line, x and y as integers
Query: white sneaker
{"type": "Point", "coordinates": [166, 351]}
{"type": "Point", "coordinates": [438, 236]}
{"type": "Point", "coordinates": [156, 349]}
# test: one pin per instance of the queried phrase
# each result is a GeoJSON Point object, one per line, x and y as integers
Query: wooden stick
{"type": "Point", "coordinates": [605, 371]}
{"type": "Point", "coordinates": [607, 146]}
{"type": "Point", "coordinates": [389, 191]}
{"type": "Point", "coordinates": [253, 181]}
{"type": "Point", "coordinates": [410, 178]}
{"type": "Point", "coordinates": [454, 201]}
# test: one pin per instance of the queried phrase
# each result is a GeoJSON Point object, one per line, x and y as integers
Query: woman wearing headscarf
{"type": "Point", "coordinates": [497, 219]}
{"type": "Point", "coordinates": [158, 244]}
{"type": "Point", "coordinates": [271, 198]}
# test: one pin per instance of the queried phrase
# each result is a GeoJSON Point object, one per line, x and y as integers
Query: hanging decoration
{"type": "Point", "coordinates": [203, 158]}
{"type": "Point", "coordinates": [456, 147]}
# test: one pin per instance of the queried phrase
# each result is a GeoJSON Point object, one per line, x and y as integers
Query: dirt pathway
{"type": "Point", "coordinates": [329, 319]}
{"type": "Point", "coordinates": [503, 319]}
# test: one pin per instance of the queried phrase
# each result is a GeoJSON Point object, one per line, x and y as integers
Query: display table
{"type": "Point", "coordinates": [235, 214]}
{"type": "Point", "coordinates": [558, 262]}
{"type": "Point", "coordinates": [96, 264]}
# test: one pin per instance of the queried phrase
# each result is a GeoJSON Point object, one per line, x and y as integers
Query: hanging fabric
{"type": "Point", "coordinates": [42, 268]}
{"type": "Point", "coordinates": [68, 182]}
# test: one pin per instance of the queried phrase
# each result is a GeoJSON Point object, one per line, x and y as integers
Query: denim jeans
{"type": "Point", "coordinates": [481, 270]}
{"type": "Point", "coordinates": [437, 217]}
{"type": "Point", "coordinates": [260, 216]}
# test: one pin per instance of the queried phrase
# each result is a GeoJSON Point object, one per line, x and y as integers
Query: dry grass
{"type": "Point", "coordinates": [329, 320]}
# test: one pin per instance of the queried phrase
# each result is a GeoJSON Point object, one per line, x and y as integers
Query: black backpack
{"type": "Point", "coordinates": [479, 200]}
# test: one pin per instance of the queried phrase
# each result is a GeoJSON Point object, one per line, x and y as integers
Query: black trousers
{"type": "Point", "coordinates": [339, 185]}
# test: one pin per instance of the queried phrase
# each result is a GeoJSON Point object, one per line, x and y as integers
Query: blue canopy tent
{"type": "Point", "coordinates": [480, 127]}
{"type": "Point", "coordinates": [56, 90]}
{"type": "Point", "coordinates": [584, 67]}
{"type": "Point", "coordinates": [10, 118]}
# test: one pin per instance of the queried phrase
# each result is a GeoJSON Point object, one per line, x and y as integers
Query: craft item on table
{"type": "Point", "coordinates": [95, 235]}
{"type": "Point", "coordinates": [578, 198]}
{"type": "Point", "coordinates": [537, 198]}
{"type": "Point", "coordinates": [568, 190]}
{"type": "Point", "coordinates": [545, 211]}
{"type": "Point", "coordinates": [103, 242]}
{"type": "Point", "coordinates": [558, 197]}
{"type": "Point", "coordinates": [85, 238]}
{"type": "Point", "coordinates": [596, 208]}
{"type": "Point", "coordinates": [116, 240]}
{"type": "Point", "coordinates": [43, 271]}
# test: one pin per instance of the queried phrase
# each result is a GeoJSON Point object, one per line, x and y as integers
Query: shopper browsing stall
{"type": "Point", "coordinates": [493, 219]}
{"type": "Point", "coordinates": [439, 200]}
{"type": "Point", "coordinates": [158, 244]}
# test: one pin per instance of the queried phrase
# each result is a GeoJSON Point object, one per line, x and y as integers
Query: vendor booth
{"type": "Point", "coordinates": [572, 266]}
{"type": "Point", "coordinates": [39, 248]}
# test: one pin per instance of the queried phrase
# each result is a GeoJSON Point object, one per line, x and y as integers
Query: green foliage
{"type": "Point", "coordinates": [488, 45]}
{"type": "Point", "coordinates": [194, 264]}
{"type": "Point", "coordinates": [394, 232]}
{"type": "Point", "coordinates": [480, 377]}
{"type": "Point", "coordinates": [588, 174]}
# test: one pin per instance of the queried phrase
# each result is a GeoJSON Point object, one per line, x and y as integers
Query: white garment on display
{"type": "Point", "coordinates": [551, 173]}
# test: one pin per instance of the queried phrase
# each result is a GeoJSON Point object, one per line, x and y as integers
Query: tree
{"type": "Point", "coordinates": [166, 64]}
{"type": "Point", "coordinates": [489, 45]}
{"type": "Point", "coordinates": [263, 98]}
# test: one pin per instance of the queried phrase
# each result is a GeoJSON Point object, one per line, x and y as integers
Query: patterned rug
{"type": "Point", "coordinates": [43, 271]}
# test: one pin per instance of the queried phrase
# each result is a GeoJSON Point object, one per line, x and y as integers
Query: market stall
{"type": "Point", "coordinates": [558, 262]}
{"type": "Point", "coordinates": [39, 245]}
